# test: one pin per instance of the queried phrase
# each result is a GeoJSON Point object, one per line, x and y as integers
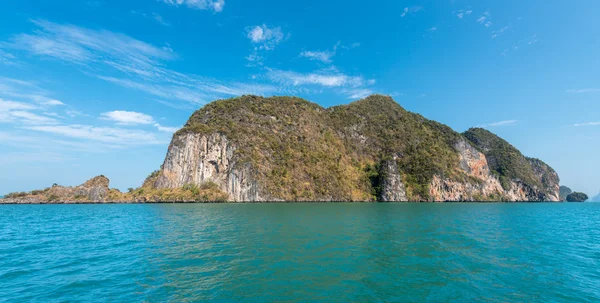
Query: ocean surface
{"type": "Point", "coordinates": [300, 253]}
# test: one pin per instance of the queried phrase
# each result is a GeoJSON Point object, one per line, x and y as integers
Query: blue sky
{"type": "Point", "coordinates": [98, 87]}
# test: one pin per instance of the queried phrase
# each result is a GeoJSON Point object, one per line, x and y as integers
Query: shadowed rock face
{"type": "Point", "coordinates": [392, 188]}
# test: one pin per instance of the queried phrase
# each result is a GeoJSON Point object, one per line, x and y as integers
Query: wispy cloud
{"type": "Point", "coordinates": [84, 46]}
{"type": "Point", "coordinates": [265, 37]}
{"type": "Point", "coordinates": [496, 33]}
{"type": "Point", "coordinates": [323, 56]}
{"type": "Point", "coordinates": [101, 134]}
{"type": "Point", "coordinates": [583, 90]}
{"type": "Point", "coordinates": [142, 64]}
{"type": "Point", "coordinates": [7, 58]}
{"type": "Point", "coordinates": [411, 10]}
{"type": "Point", "coordinates": [322, 78]}
{"type": "Point", "coordinates": [127, 117]}
{"type": "Point", "coordinates": [154, 16]}
{"type": "Point", "coordinates": [134, 118]}
{"type": "Point", "coordinates": [160, 19]}
{"type": "Point", "coordinates": [215, 5]}
{"type": "Point", "coordinates": [22, 113]}
{"type": "Point", "coordinates": [357, 93]}
{"type": "Point", "coordinates": [464, 12]}
{"type": "Point", "coordinates": [500, 123]}
{"type": "Point", "coordinates": [587, 124]}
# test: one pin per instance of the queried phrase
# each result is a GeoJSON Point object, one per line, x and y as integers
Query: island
{"type": "Point", "coordinates": [257, 149]}
{"type": "Point", "coordinates": [577, 197]}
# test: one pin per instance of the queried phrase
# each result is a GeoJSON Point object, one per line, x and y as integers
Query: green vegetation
{"type": "Point", "coordinates": [577, 197]}
{"type": "Point", "coordinates": [503, 159]}
{"type": "Point", "coordinates": [301, 151]}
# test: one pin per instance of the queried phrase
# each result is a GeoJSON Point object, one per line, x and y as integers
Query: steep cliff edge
{"type": "Point", "coordinates": [285, 148]}
{"type": "Point", "coordinates": [522, 178]}
{"type": "Point", "coordinates": [195, 158]}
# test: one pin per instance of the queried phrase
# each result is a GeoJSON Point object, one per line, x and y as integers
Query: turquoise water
{"type": "Point", "coordinates": [300, 253]}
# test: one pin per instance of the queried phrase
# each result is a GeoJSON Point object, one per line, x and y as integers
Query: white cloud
{"type": "Point", "coordinates": [74, 113]}
{"type": "Point", "coordinates": [411, 10]}
{"type": "Point", "coordinates": [29, 118]}
{"type": "Point", "coordinates": [482, 19]}
{"type": "Point", "coordinates": [100, 134]}
{"type": "Point", "coordinates": [462, 13]}
{"type": "Point", "coordinates": [143, 64]}
{"type": "Point", "coordinates": [215, 5]}
{"type": "Point", "coordinates": [323, 56]}
{"type": "Point", "coordinates": [323, 78]}
{"type": "Point", "coordinates": [127, 117]}
{"type": "Point", "coordinates": [160, 19]}
{"type": "Point", "coordinates": [84, 46]}
{"type": "Point", "coordinates": [7, 58]}
{"type": "Point", "coordinates": [587, 124]}
{"type": "Point", "coordinates": [499, 32]}
{"type": "Point", "coordinates": [166, 129]}
{"type": "Point", "coordinates": [432, 29]}
{"type": "Point", "coordinates": [51, 102]}
{"type": "Point", "coordinates": [500, 123]}
{"type": "Point", "coordinates": [357, 93]}
{"type": "Point", "coordinates": [20, 112]}
{"type": "Point", "coordinates": [134, 118]}
{"type": "Point", "coordinates": [7, 105]}
{"type": "Point", "coordinates": [266, 37]}
{"type": "Point", "coordinates": [583, 90]}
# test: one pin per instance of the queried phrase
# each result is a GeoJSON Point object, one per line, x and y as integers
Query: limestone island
{"type": "Point", "coordinates": [256, 149]}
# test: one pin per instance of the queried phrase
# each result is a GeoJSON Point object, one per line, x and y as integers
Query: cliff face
{"type": "Point", "coordinates": [392, 188]}
{"type": "Point", "coordinates": [280, 148]}
{"type": "Point", "coordinates": [194, 158]}
{"type": "Point", "coordinates": [522, 178]}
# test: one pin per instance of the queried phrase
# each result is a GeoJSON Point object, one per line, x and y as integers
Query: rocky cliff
{"type": "Point", "coordinates": [283, 148]}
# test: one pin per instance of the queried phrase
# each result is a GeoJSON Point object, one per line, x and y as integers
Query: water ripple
{"type": "Point", "coordinates": [300, 253]}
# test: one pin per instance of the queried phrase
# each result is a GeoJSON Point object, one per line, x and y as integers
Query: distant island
{"type": "Point", "coordinates": [253, 149]}
{"type": "Point", "coordinates": [564, 191]}
{"type": "Point", "coordinates": [577, 197]}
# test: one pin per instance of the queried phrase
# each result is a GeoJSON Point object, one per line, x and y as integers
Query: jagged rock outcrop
{"type": "Point", "coordinates": [522, 178]}
{"type": "Point", "coordinates": [196, 159]}
{"type": "Point", "coordinates": [479, 186]}
{"type": "Point", "coordinates": [94, 190]}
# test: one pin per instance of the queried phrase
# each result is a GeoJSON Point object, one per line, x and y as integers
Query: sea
{"type": "Point", "coordinates": [301, 252]}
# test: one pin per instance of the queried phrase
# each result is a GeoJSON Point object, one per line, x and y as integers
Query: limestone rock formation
{"type": "Point", "coordinates": [94, 190]}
